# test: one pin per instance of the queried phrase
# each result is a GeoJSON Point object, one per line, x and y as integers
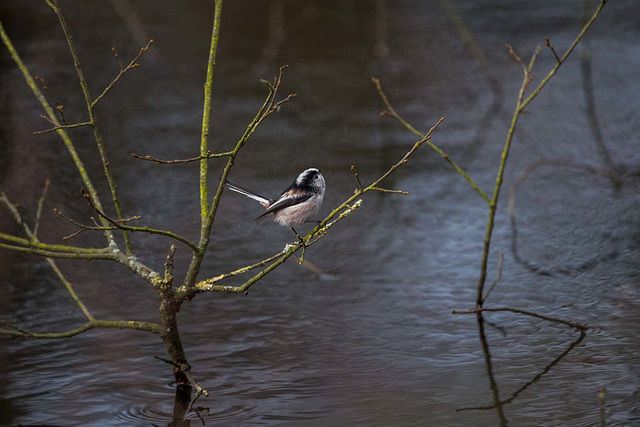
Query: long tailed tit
{"type": "Point", "coordinates": [296, 204]}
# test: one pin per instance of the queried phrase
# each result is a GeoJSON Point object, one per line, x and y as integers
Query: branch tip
{"type": "Point", "coordinates": [550, 46]}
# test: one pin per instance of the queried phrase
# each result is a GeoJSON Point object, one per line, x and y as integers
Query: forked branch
{"type": "Point", "coordinates": [521, 104]}
{"type": "Point", "coordinates": [133, 64]}
{"type": "Point", "coordinates": [318, 232]}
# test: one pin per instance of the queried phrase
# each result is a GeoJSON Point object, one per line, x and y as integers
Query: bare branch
{"type": "Point", "coordinates": [209, 155]}
{"type": "Point", "coordinates": [498, 276]}
{"type": "Point", "coordinates": [521, 104]}
{"type": "Point", "coordinates": [117, 57]}
{"type": "Point", "coordinates": [133, 64]}
{"type": "Point", "coordinates": [268, 107]}
{"type": "Point", "coordinates": [564, 57]}
{"type": "Point", "coordinates": [51, 117]}
{"type": "Point", "coordinates": [532, 61]}
{"type": "Point", "coordinates": [314, 235]}
{"type": "Point", "coordinates": [120, 224]}
{"type": "Point", "coordinates": [550, 46]}
{"type": "Point", "coordinates": [35, 250]}
{"type": "Point", "coordinates": [343, 210]}
{"type": "Point", "coordinates": [515, 56]}
{"type": "Point", "coordinates": [206, 283]}
{"type": "Point", "coordinates": [32, 242]}
{"type": "Point", "coordinates": [355, 172]}
{"type": "Point", "coordinates": [108, 324]}
{"type": "Point", "coordinates": [384, 190]}
{"type": "Point", "coordinates": [59, 107]}
{"type": "Point", "coordinates": [392, 113]}
{"type": "Point", "coordinates": [110, 253]}
{"type": "Point", "coordinates": [113, 187]}
{"type": "Point", "coordinates": [55, 128]}
{"type": "Point", "coordinates": [199, 390]}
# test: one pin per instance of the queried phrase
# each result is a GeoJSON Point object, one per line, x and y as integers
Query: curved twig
{"type": "Point", "coordinates": [392, 113]}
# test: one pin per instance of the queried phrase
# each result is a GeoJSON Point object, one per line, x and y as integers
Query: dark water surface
{"type": "Point", "coordinates": [371, 341]}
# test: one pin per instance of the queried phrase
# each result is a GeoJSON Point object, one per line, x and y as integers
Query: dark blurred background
{"type": "Point", "coordinates": [370, 340]}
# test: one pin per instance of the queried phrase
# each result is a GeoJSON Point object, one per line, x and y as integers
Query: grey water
{"type": "Point", "coordinates": [370, 340]}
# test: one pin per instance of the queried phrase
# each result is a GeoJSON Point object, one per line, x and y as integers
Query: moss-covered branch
{"type": "Point", "coordinates": [268, 107]}
{"type": "Point", "coordinates": [206, 114]}
{"type": "Point", "coordinates": [92, 324]}
{"type": "Point", "coordinates": [34, 243]}
{"type": "Point", "coordinates": [341, 211]}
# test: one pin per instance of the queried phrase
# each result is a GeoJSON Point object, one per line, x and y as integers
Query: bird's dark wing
{"type": "Point", "coordinates": [285, 201]}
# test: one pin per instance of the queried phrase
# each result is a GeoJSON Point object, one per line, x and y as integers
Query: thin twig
{"type": "Point", "coordinates": [55, 128]}
{"type": "Point", "coordinates": [208, 155]}
{"type": "Point", "coordinates": [133, 64]}
{"type": "Point", "coordinates": [355, 173]}
{"type": "Point", "coordinates": [94, 124]}
{"type": "Point", "coordinates": [47, 182]}
{"type": "Point", "coordinates": [343, 210]}
{"type": "Point", "coordinates": [77, 253]}
{"type": "Point", "coordinates": [268, 107]}
{"type": "Point", "coordinates": [392, 113]}
{"type": "Point", "coordinates": [51, 116]}
{"type": "Point", "coordinates": [548, 44]}
{"type": "Point", "coordinates": [564, 57]}
{"type": "Point", "coordinates": [120, 224]}
{"type": "Point", "coordinates": [239, 271]}
{"type": "Point", "coordinates": [35, 250]}
{"type": "Point", "coordinates": [32, 241]}
{"type": "Point", "coordinates": [384, 190]}
{"type": "Point", "coordinates": [167, 361]}
{"type": "Point", "coordinates": [515, 56]}
{"type": "Point", "coordinates": [199, 390]}
{"type": "Point", "coordinates": [59, 107]}
{"type": "Point", "coordinates": [602, 397]}
{"type": "Point", "coordinates": [117, 57]}
{"type": "Point", "coordinates": [535, 55]}
{"type": "Point", "coordinates": [108, 324]}
{"type": "Point", "coordinates": [498, 277]}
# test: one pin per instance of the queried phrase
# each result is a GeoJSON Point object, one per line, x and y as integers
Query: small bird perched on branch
{"type": "Point", "coordinates": [296, 204]}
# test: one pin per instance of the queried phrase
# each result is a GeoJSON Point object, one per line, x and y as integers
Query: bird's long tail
{"type": "Point", "coordinates": [264, 201]}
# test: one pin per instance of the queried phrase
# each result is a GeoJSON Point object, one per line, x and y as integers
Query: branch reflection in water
{"type": "Point", "coordinates": [498, 403]}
